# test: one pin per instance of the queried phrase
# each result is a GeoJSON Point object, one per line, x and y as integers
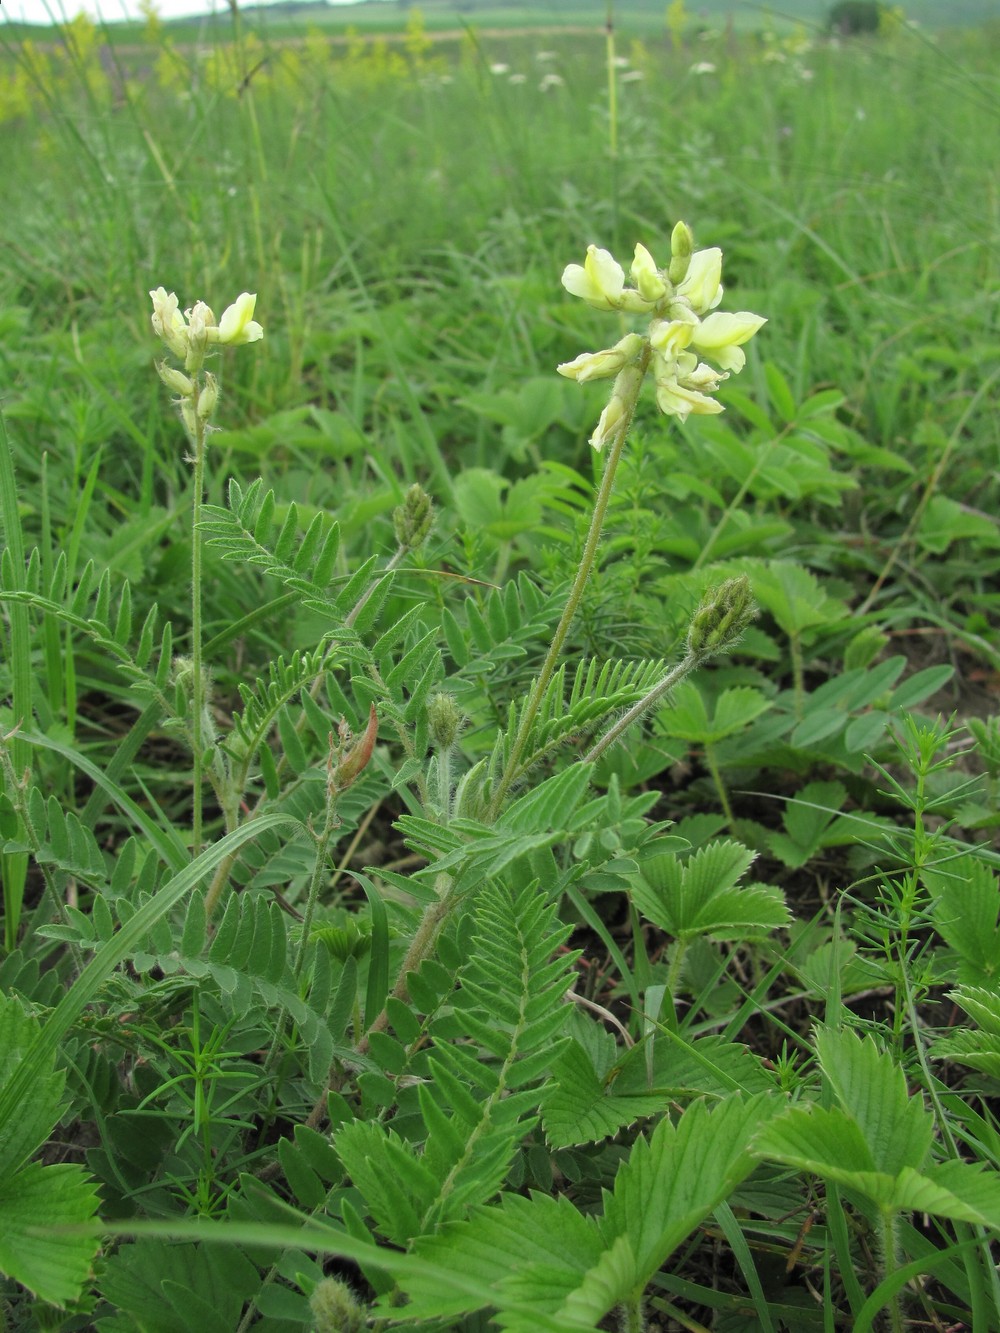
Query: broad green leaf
{"type": "Point", "coordinates": [35, 1204]}
{"type": "Point", "coordinates": [871, 1087]}
{"type": "Point", "coordinates": [965, 911]}
{"type": "Point", "coordinates": [794, 597]}
{"type": "Point", "coordinates": [701, 894]}
{"type": "Point", "coordinates": [167, 1287]}
{"type": "Point", "coordinates": [672, 1065]}
{"type": "Point", "coordinates": [823, 1140]}
{"type": "Point", "coordinates": [736, 708]}
{"type": "Point", "coordinates": [584, 1109]}
{"type": "Point", "coordinates": [672, 1182]}
{"type": "Point", "coordinates": [978, 1048]}
{"type": "Point", "coordinates": [920, 686]}
{"type": "Point", "coordinates": [536, 1249]}
{"type": "Point", "coordinates": [965, 1191]}
{"type": "Point", "coordinates": [24, 1131]}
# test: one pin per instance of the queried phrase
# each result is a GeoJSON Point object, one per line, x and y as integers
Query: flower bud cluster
{"type": "Point", "coordinates": [679, 303]}
{"type": "Point", "coordinates": [414, 518]}
{"type": "Point", "coordinates": [723, 615]}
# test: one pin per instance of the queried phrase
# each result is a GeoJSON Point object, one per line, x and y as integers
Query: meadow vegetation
{"type": "Point", "coordinates": [360, 967]}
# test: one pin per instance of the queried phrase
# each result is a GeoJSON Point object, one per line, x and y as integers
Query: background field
{"type": "Point", "coordinates": [404, 211]}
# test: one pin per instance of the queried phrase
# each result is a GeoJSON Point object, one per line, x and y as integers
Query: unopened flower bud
{"type": "Point", "coordinates": [414, 518]}
{"type": "Point", "coordinates": [189, 416]}
{"type": "Point", "coordinates": [200, 320]}
{"type": "Point", "coordinates": [168, 322]}
{"type": "Point", "coordinates": [355, 753]}
{"type": "Point", "coordinates": [444, 718]}
{"type": "Point", "coordinates": [174, 379]}
{"type": "Point", "coordinates": [723, 615]}
{"type": "Point", "coordinates": [620, 404]}
{"type": "Point", "coordinates": [335, 1308]}
{"type": "Point", "coordinates": [602, 365]}
{"type": "Point", "coordinates": [208, 398]}
{"type": "Point", "coordinates": [647, 276]}
{"type": "Point", "coordinates": [184, 693]}
{"type": "Point", "coordinates": [681, 248]}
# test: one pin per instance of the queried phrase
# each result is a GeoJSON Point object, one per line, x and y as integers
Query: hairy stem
{"type": "Point", "coordinates": [198, 681]}
{"type": "Point", "coordinates": [573, 598]}
{"type": "Point", "coordinates": [673, 677]}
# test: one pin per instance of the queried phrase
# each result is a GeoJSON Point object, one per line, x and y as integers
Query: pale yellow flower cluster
{"type": "Point", "coordinates": [680, 304]}
{"type": "Point", "coordinates": [189, 335]}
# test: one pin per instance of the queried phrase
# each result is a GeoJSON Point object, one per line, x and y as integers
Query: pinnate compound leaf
{"type": "Point", "coordinates": [511, 1000]}
{"type": "Point", "coordinates": [397, 1187]}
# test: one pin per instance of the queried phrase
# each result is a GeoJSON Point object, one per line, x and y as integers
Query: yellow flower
{"type": "Point", "coordinates": [701, 287]}
{"type": "Point", "coordinates": [720, 336]}
{"type": "Point", "coordinates": [168, 322]}
{"type": "Point", "coordinates": [237, 325]}
{"type": "Point", "coordinates": [683, 386]}
{"type": "Point", "coordinates": [598, 281]}
{"type": "Point", "coordinates": [670, 337]}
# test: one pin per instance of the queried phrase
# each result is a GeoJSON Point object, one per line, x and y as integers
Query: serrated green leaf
{"type": "Point", "coordinates": [871, 1087]}
{"type": "Point", "coordinates": [35, 1205]}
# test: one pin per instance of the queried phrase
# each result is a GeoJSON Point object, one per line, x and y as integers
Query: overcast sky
{"type": "Point", "coordinates": [42, 11]}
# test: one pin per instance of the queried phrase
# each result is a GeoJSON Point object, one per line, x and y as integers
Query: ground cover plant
{"type": "Point", "coordinates": [492, 839]}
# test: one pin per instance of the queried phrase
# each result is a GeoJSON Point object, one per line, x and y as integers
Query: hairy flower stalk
{"type": "Point", "coordinates": [678, 307]}
{"type": "Point", "coordinates": [189, 336]}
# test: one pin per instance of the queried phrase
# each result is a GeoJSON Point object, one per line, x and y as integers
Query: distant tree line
{"type": "Point", "coordinates": [847, 18]}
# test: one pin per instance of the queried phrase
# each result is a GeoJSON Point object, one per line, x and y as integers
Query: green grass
{"type": "Point", "coordinates": [404, 213]}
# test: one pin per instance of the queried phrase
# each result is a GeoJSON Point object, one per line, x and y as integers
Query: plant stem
{"type": "Point", "coordinates": [720, 786]}
{"type": "Point", "coordinates": [890, 1262]}
{"type": "Point", "coordinates": [198, 684]}
{"type": "Point", "coordinates": [612, 73]}
{"type": "Point", "coordinates": [673, 677]}
{"type": "Point", "coordinates": [14, 870]}
{"type": "Point", "coordinates": [798, 675]}
{"type": "Point", "coordinates": [444, 782]}
{"type": "Point", "coordinates": [631, 1314]}
{"type": "Point", "coordinates": [674, 969]}
{"type": "Point", "coordinates": [221, 876]}
{"type": "Point", "coordinates": [573, 598]}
